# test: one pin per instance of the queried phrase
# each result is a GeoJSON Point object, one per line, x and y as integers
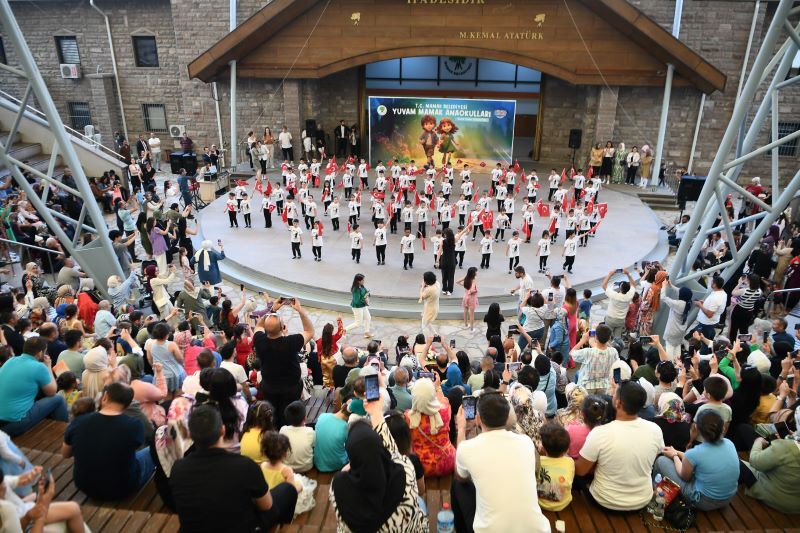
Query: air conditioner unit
{"type": "Point", "coordinates": [70, 71]}
{"type": "Point", "coordinates": [176, 130]}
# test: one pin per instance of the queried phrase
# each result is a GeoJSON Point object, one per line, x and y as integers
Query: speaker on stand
{"type": "Point", "coordinates": [575, 136]}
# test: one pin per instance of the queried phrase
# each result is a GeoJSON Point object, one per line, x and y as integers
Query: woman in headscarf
{"type": "Point", "coordinates": [651, 301]}
{"type": "Point", "coordinates": [760, 261]}
{"type": "Point", "coordinates": [41, 312]}
{"type": "Point", "coordinates": [529, 408]}
{"type": "Point", "coordinates": [454, 378]}
{"type": "Point", "coordinates": [205, 262]}
{"type": "Point", "coordinates": [87, 307]}
{"type": "Point", "coordinates": [158, 238]}
{"type": "Point", "coordinates": [618, 172]}
{"type": "Point", "coordinates": [671, 419]}
{"type": "Point", "coordinates": [571, 414]}
{"type": "Point", "coordinates": [37, 283]}
{"type": "Point", "coordinates": [678, 319]}
{"type": "Point", "coordinates": [64, 296]}
{"type": "Point", "coordinates": [378, 492]}
{"type": "Point", "coordinates": [147, 395]}
{"type": "Point", "coordinates": [429, 420]}
{"type": "Point", "coordinates": [98, 364]}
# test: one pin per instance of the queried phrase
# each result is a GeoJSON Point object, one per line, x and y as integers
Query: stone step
{"type": "Point", "coordinates": [4, 137]}
{"type": "Point", "coordinates": [23, 151]}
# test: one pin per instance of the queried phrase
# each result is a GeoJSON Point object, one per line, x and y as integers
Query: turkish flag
{"type": "Point", "coordinates": [319, 227]}
{"type": "Point", "coordinates": [349, 228]}
{"type": "Point", "coordinates": [316, 181]}
{"type": "Point", "coordinates": [433, 222]}
{"type": "Point", "coordinates": [572, 202]}
{"type": "Point", "coordinates": [594, 229]}
{"type": "Point", "coordinates": [340, 185]}
{"type": "Point", "coordinates": [571, 172]}
{"type": "Point", "coordinates": [452, 211]}
{"type": "Point", "coordinates": [543, 209]}
{"type": "Point", "coordinates": [563, 174]}
{"type": "Point", "coordinates": [271, 208]}
{"type": "Point", "coordinates": [564, 204]}
{"type": "Point", "coordinates": [241, 183]}
{"type": "Point", "coordinates": [416, 198]}
{"type": "Point", "coordinates": [526, 229]}
{"type": "Point", "coordinates": [368, 167]}
{"type": "Point", "coordinates": [516, 165]}
{"type": "Point", "coordinates": [602, 209]}
{"type": "Point", "coordinates": [488, 220]}
{"type": "Point", "coordinates": [412, 187]}
{"type": "Point", "coordinates": [552, 227]}
{"type": "Point", "coordinates": [482, 164]}
{"type": "Point", "coordinates": [583, 193]}
{"type": "Point", "coordinates": [589, 206]}
{"type": "Point", "coordinates": [390, 185]}
{"type": "Point", "coordinates": [284, 166]}
{"type": "Point", "coordinates": [590, 173]}
{"type": "Point", "coordinates": [491, 192]}
{"type": "Point", "coordinates": [285, 215]}
{"type": "Point", "coordinates": [378, 195]}
{"type": "Point", "coordinates": [358, 197]}
{"type": "Point", "coordinates": [268, 192]}
{"type": "Point", "coordinates": [419, 236]}
{"type": "Point", "coordinates": [259, 187]}
{"type": "Point", "coordinates": [516, 189]}
{"type": "Point", "coordinates": [428, 188]}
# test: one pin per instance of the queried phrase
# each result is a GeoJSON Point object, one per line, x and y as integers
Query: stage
{"type": "Point", "coordinates": [261, 258]}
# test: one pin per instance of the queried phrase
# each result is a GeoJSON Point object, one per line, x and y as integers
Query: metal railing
{"type": "Point", "coordinates": [75, 133]}
{"type": "Point", "coordinates": [25, 250]}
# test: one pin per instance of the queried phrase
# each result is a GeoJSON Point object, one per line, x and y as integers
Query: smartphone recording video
{"type": "Point", "coordinates": [617, 375]}
{"type": "Point", "coordinates": [470, 404]}
{"type": "Point", "coordinates": [371, 389]}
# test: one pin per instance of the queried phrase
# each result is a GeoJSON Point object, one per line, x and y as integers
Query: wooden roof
{"type": "Point", "coordinates": [581, 41]}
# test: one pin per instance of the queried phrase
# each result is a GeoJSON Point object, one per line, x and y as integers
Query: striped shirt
{"type": "Point", "coordinates": [747, 300]}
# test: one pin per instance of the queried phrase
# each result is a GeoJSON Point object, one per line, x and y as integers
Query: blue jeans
{"type": "Point", "coordinates": [535, 335]}
{"type": "Point", "coordinates": [666, 467]}
{"type": "Point", "coordinates": [54, 407]}
{"type": "Point", "coordinates": [146, 466]}
{"type": "Point", "coordinates": [12, 468]}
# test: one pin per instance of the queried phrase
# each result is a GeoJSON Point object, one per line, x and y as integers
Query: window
{"type": "Point", "coordinates": [155, 118]}
{"type": "Point", "coordinates": [68, 50]}
{"type": "Point", "coordinates": [784, 129]}
{"type": "Point", "coordinates": [3, 59]}
{"type": "Point", "coordinates": [79, 115]}
{"type": "Point", "coordinates": [145, 50]}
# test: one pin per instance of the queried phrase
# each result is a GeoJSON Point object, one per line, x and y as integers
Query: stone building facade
{"type": "Point", "coordinates": [716, 29]}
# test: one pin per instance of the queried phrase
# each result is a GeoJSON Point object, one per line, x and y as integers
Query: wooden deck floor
{"type": "Point", "coordinates": [146, 512]}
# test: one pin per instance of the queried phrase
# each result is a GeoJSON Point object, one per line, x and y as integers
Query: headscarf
{"type": "Point", "coordinates": [774, 232]}
{"type": "Point", "coordinates": [190, 289]}
{"type": "Point", "coordinates": [96, 363]}
{"type": "Point", "coordinates": [455, 378]}
{"type": "Point", "coordinates": [685, 295]}
{"type": "Point", "coordinates": [40, 303]}
{"type": "Point", "coordinates": [768, 246]}
{"type": "Point", "coordinates": [425, 402]}
{"type": "Point", "coordinates": [529, 409]}
{"type": "Point", "coordinates": [654, 295]}
{"type": "Point", "coordinates": [371, 490]}
{"type": "Point", "coordinates": [205, 246]}
{"type": "Point", "coordinates": [572, 412]}
{"type": "Point", "coordinates": [670, 407]}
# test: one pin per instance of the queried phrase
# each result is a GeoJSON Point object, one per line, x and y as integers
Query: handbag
{"type": "Point", "coordinates": [680, 513]}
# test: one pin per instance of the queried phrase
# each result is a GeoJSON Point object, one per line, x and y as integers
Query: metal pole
{"type": "Point", "coordinates": [114, 68]}
{"type": "Point", "coordinates": [662, 124]}
{"type": "Point", "coordinates": [696, 132]}
{"type": "Point", "coordinates": [215, 95]}
{"type": "Point", "coordinates": [234, 160]}
{"type": "Point", "coordinates": [747, 49]}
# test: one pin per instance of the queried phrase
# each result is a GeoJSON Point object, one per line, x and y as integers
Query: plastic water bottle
{"type": "Point", "coordinates": [658, 511]}
{"type": "Point", "coordinates": [445, 520]}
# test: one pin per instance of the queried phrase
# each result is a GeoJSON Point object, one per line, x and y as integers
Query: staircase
{"type": "Point", "coordinates": [30, 153]}
{"type": "Point", "coordinates": [661, 201]}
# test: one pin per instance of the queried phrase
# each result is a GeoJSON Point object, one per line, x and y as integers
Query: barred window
{"type": "Point", "coordinates": [784, 129]}
{"type": "Point", "coordinates": [155, 118]}
{"type": "Point", "coordinates": [68, 50]}
{"type": "Point", "coordinates": [79, 115]}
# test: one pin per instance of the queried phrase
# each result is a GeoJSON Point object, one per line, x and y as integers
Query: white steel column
{"type": "Point", "coordinates": [234, 148]}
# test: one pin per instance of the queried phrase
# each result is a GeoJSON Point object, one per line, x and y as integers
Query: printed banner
{"type": "Point", "coordinates": [440, 130]}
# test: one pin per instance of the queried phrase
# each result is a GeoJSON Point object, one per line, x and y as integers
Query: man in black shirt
{"type": "Point", "coordinates": [104, 444]}
{"type": "Point", "coordinates": [280, 364]}
{"type": "Point", "coordinates": [216, 490]}
{"type": "Point", "coordinates": [55, 346]}
{"type": "Point", "coordinates": [13, 338]}
{"type": "Point", "coordinates": [350, 356]}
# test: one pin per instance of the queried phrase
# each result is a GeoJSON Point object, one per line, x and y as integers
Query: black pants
{"type": "Point", "coordinates": [250, 156]}
{"type": "Point", "coordinates": [267, 218]}
{"type": "Point", "coordinates": [364, 182]}
{"type": "Point", "coordinates": [740, 321]}
{"type": "Point", "coordinates": [631, 175]}
{"type": "Point", "coordinates": [263, 165]}
{"type": "Point", "coordinates": [232, 219]}
{"type": "Point", "coordinates": [462, 219]}
{"type": "Point", "coordinates": [408, 260]}
{"type": "Point", "coordinates": [448, 275]}
{"type": "Point", "coordinates": [500, 232]}
{"type": "Point", "coordinates": [407, 225]}
{"type": "Point", "coordinates": [445, 225]}
{"type": "Point", "coordinates": [309, 221]}
{"type": "Point", "coordinates": [393, 222]}
{"type": "Point", "coordinates": [353, 220]}
{"type": "Point", "coordinates": [335, 223]}
{"type": "Point", "coordinates": [485, 260]}
{"type": "Point", "coordinates": [380, 252]}
{"type": "Point", "coordinates": [347, 192]}
{"type": "Point", "coordinates": [475, 230]}
{"type": "Point", "coordinates": [247, 221]}
{"type": "Point", "coordinates": [355, 253]}
{"type": "Point", "coordinates": [543, 262]}
{"type": "Point", "coordinates": [460, 258]}
{"type": "Point", "coordinates": [317, 251]}
{"type": "Point", "coordinates": [280, 397]}
{"type": "Point", "coordinates": [284, 499]}
{"type": "Point", "coordinates": [341, 147]}
{"type": "Point", "coordinates": [550, 194]}
{"type": "Point", "coordinates": [512, 262]}
{"type": "Point", "coordinates": [296, 250]}
{"type": "Point", "coordinates": [288, 154]}
{"type": "Point", "coordinates": [421, 228]}
{"type": "Point", "coordinates": [584, 239]}
{"type": "Point", "coordinates": [569, 260]}
{"type": "Point", "coordinates": [462, 496]}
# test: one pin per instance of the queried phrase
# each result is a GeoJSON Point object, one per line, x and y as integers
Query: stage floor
{"type": "Point", "coordinates": [628, 233]}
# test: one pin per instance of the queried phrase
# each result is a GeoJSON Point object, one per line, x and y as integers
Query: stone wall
{"type": "Point", "coordinates": [566, 107]}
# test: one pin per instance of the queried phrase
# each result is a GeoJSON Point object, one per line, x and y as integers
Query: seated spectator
{"type": "Point", "coordinates": [666, 374]}
{"type": "Point", "coordinates": [556, 469]}
{"type": "Point", "coordinates": [147, 397]}
{"type": "Point", "coordinates": [379, 490]}
{"type": "Point", "coordinates": [400, 389]}
{"type": "Point", "coordinates": [23, 379]}
{"type": "Point", "coordinates": [622, 454]}
{"type": "Point", "coordinates": [671, 418]}
{"type": "Point", "coordinates": [260, 418]}
{"type": "Point", "coordinates": [707, 474]}
{"type": "Point", "coordinates": [17, 515]}
{"type": "Point", "coordinates": [648, 369]}
{"type": "Point", "coordinates": [429, 420]}
{"type": "Point", "coordinates": [571, 414]}
{"type": "Point", "coordinates": [228, 353]}
{"type": "Point", "coordinates": [744, 402]}
{"type": "Point", "coordinates": [593, 413]}
{"type": "Point", "coordinates": [99, 363]}
{"type": "Point", "coordinates": [67, 384]}
{"type": "Point", "coordinates": [166, 352]}
{"type": "Point", "coordinates": [107, 464]}
{"type": "Point", "coordinates": [72, 356]}
{"type": "Point", "coordinates": [49, 332]}
{"type": "Point", "coordinates": [130, 354]}
{"type": "Point", "coordinates": [475, 381]}
{"type": "Point", "coordinates": [301, 437]}
{"type": "Point", "coordinates": [596, 360]}
{"type": "Point", "coordinates": [401, 433]}
{"type": "Point", "coordinates": [715, 390]}
{"type": "Point", "coordinates": [216, 490]}
{"type": "Point", "coordinates": [481, 487]}
{"type": "Point", "coordinates": [529, 408]}
{"type": "Point", "coordinates": [331, 429]}
{"type": "Point", "coordinates": [350, 357]}
{"type": "Point", "coordinates": [547, 382]}
{"type": "Point", "coordinates": [120, 291]}
{"type": "Point", "coordinates": [772, 473]}
{"type": "Point", "coordinates": [191, 385]}
{"type": "Point", "coordinates": [275, 447]}
{"type": "Point", "coordinates": [104, 320]}
{"type": "Point", "coordinates": [769, 386]}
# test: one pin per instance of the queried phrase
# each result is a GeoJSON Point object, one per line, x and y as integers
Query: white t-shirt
{"type": "Point", "coordinates": [570, 247]}
{"type": "Point", "coordinates": [554, 180]}
{"type": "Point", "coordinates": [316, 238]}
{"type": "Point", "coordinates": [544, 247]}
{"type": "Point", "coordinates": [715, 302]}
{"type": "Point", "coordinates": [486, 245]}
{"type": "Point", "coordinates": [511, 470]}
{"type": "Point", "coordinates": [618, 303]}
{"type": "Point", "coordinates": [285, 138]}
{"type": "Point", "coordinates": [525, 285]}
{"type": "Point", "coordinates": [355, 240]}
{"type": "Point", "coordinates": [302, 440]}
{"type": "Point", "coordinates": [407, 244]}
{"type": "Point", "coordinates": [296, 232]}
{"type": "Point", "coordinates": [334, 210]}
{"type": "Point", "coordinates": [513, 247]}
{"type": "Point", "coordinates": [236, 370]}
{"type": "Point", "coordinates": [380, 237]}
{"type": "Point", "coordinates": [553, 300]}
{"type": "Point", "coordinates": [624, 453]}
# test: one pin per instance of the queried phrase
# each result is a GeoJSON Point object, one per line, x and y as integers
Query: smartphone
{"type": "Point", "coordinates": [766, 336]}
{"type": "Point", "coordinates": [617, 375]}
{"type": "Point", "coordinates": [645, 339]}
{"type": "Point", "coordinates": [437, 338]}
{"type": "Point", "coordinates": [371, 390]}
{"type": "Point", "coordinates": [513, 329]}
{"type": "Point", "coordinates": [48, 474]}
{"type": "Point", "coordinates": [429, 375]}
{"type": "Point", "coordinates": [219, 242]}
{"type": "Point", "coordinates": [469, 403]}
{"type": "Point", "coordinates": [514, 367]}
{"type": "Point", "coordinates": [452, 343]}
{"type": "Point", "coordinates": [790, 380]}
{"type": "Point", "coordinates": [745, 338]}
{"type": "Point", "coordinates": [619, 271]}
{"type": "Point", "coordinates": [241, 286]}
{"type": "Point", "coordinates": [550, 297]}
{"type": "Point", "coordinates": [286, 301]}
{"type": "Point", "coordinates": [796, 364]}
{"type": "Point", "coordinates": [592, 332]}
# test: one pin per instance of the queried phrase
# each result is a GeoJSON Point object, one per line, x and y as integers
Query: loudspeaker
{"type": "Point", "coordinates": [179, 160]}
{"type": "Point", "coordinates": [575, 136]}
{"type": "Point", "coordinates": [690, 187]}
{"type": "Point", "coordinates": [311, 126]}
